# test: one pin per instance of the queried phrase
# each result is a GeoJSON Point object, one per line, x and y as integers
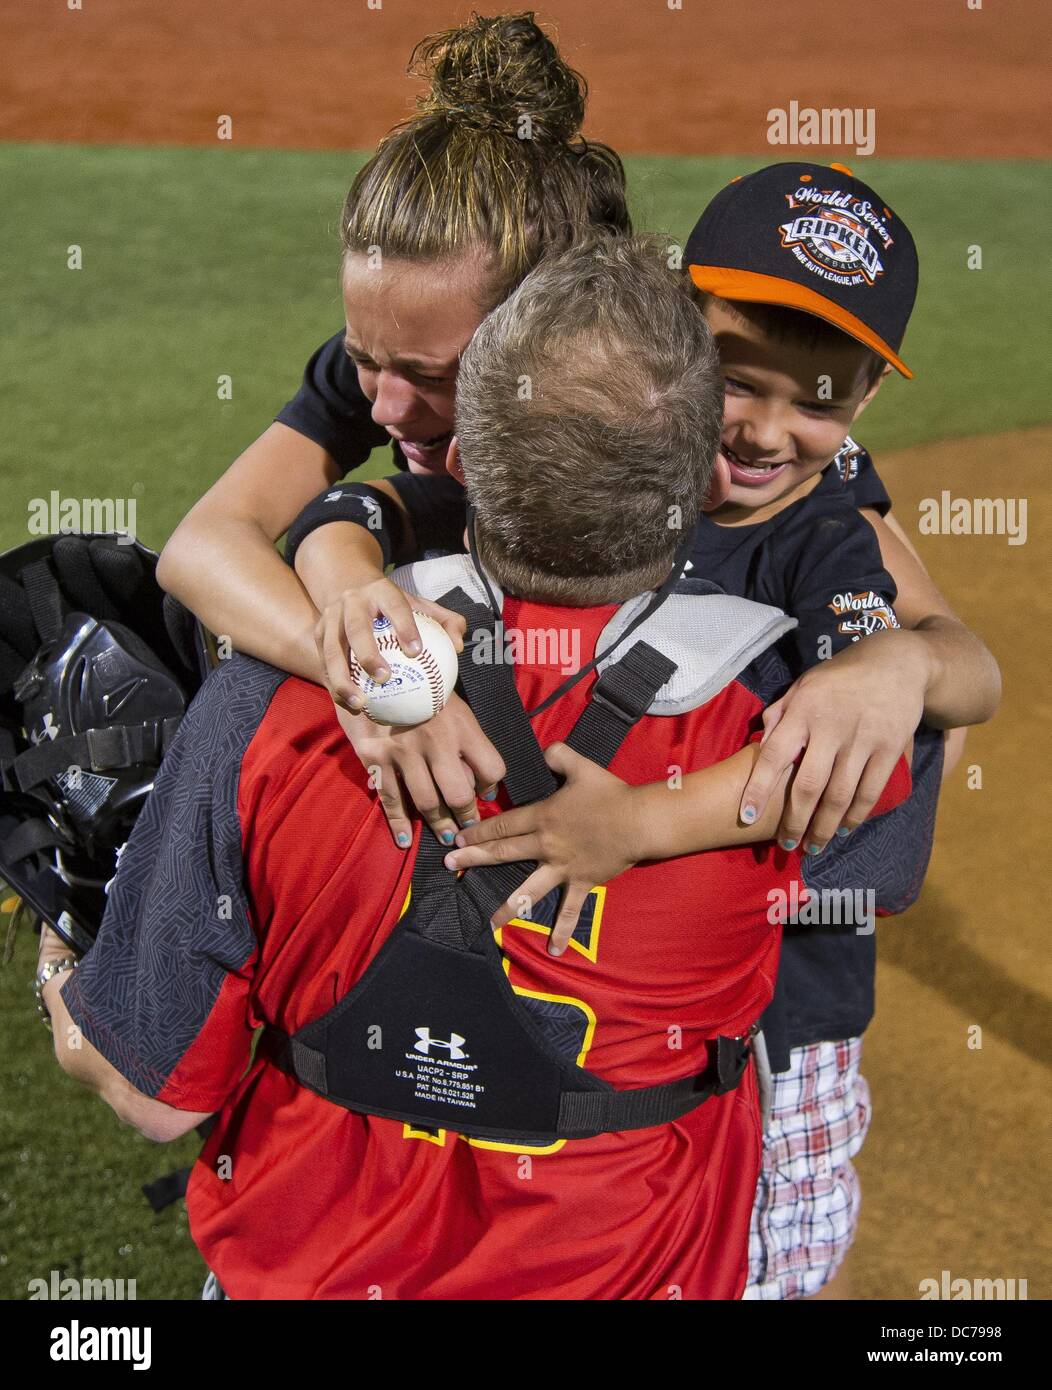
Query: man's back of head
{"type": "Point", "coordinates": [589, 407]}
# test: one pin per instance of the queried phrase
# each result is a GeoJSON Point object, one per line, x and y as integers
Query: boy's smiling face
{"type": "Point", "coordinates": [789, 406]}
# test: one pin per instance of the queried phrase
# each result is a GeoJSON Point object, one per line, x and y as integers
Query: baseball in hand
{"type": "Point", "coordinates": [419, 685]}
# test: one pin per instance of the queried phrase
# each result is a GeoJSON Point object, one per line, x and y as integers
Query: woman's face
{"type": "Point", "coordinates": [407, 324]}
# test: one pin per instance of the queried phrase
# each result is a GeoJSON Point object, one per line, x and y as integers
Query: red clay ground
{"type": "Point", "coordinates": [955, 1171]}
{"type": "Point", "coordinates": [945, 80]}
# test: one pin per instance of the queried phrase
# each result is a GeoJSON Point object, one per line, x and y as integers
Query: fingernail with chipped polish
{"type": "Point", "coordinates": [404, 838]}
{"type": "Point", "coordinates": [748, 814]}
{"type": "Point", "coordinates": [814, 849]}
{"type": "Point", "coordinates": [843, 832]}
{"type": "Point", "coordinates": [447, 837]}
{"type": "Point", "coordinates": [789, 844]}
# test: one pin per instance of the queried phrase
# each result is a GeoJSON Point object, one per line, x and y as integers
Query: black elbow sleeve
{"type": "Point", "coordinates": [356, 502]}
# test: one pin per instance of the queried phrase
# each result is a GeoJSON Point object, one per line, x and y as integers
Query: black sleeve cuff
{"type": "Point", "coordinates": [357, 502]}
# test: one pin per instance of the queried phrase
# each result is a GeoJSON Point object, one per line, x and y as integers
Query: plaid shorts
{"type": "Point", "coordinates": [807, 1202]}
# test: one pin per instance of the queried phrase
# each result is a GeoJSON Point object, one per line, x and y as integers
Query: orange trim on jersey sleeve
{"type": "Point", "coordinates": [755, 288]}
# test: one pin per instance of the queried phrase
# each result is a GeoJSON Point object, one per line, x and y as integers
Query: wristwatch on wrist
{"type": "Point", "coordinates": [53, 967]}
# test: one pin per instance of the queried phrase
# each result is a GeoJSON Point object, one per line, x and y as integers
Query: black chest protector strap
{"type": "Point", "coordinates": [619, 699]}
{"type": "Point", "coordinates": [433, 1034]}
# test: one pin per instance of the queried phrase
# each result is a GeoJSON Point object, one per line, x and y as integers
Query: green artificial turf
{"type": "Point", "coordinates": [201, 263]}
{"type": "Point", "coordinates": [70, 1173]}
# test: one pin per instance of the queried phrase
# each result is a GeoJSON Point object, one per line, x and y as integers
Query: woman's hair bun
{"type": "Point", "coordinates": [491, 73]}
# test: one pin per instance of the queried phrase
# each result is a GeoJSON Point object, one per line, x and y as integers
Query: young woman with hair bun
{"type": "Point", "coordinates": [456, 206]}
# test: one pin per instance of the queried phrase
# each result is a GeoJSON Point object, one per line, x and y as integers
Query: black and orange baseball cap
{"type": "Point", "coordinates": [815, 238]}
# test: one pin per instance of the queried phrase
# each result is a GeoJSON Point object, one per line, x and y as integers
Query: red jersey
{"type": "Point", "coordinates": [263, 808]}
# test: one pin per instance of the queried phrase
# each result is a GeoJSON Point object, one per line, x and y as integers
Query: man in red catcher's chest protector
{"type": "Point", "coordinates": [261, 879]}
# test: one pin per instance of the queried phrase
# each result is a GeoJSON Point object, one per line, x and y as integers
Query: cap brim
{"type": "Point", "coordinates": [749, 285]}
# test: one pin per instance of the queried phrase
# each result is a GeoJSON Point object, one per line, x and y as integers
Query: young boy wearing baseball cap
{"type": "Point", "coordinates": [807, 280]}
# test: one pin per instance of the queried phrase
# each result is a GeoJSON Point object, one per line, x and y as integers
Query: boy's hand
{"type": "Point", "coordinates": [440, 764]}
{"type": "Point", "coordinates": [347, 624]}
{"type": "Point", "coordinates": [581, 835]}
{"type": "Point", "coordinates": [853, 717]}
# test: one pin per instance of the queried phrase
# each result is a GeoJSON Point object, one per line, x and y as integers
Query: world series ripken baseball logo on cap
{"type": "Point", "coordinates": [832, 238]}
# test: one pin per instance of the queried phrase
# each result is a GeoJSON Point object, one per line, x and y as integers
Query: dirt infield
{"type": "Point", "coordinates": [943, 79]}
{"type": "Point", "coordinates": [953, 1173]}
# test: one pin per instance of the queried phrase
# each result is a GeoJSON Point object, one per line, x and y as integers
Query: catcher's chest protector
{"type": "Point", "coordinates": [433, 1033]}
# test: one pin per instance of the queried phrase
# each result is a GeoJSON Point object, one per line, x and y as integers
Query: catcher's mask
{"type": "Point", "coordinates": [97, 666]}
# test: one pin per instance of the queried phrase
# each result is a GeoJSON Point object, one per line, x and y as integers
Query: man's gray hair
{"type": "Point", "coordinates": [589, 407]}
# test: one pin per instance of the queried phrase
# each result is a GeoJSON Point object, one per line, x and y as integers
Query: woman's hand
{"type": "Point", "coordinates": [582, 835]}
{"type": "Point", "coordinates": [52, 947]}
{"type": "Point", "coordinates": [437, 766]}
{"type": "Point", "coordinates": [347, 623]}
{"type": "Point", "coordinates": [852, 717]}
